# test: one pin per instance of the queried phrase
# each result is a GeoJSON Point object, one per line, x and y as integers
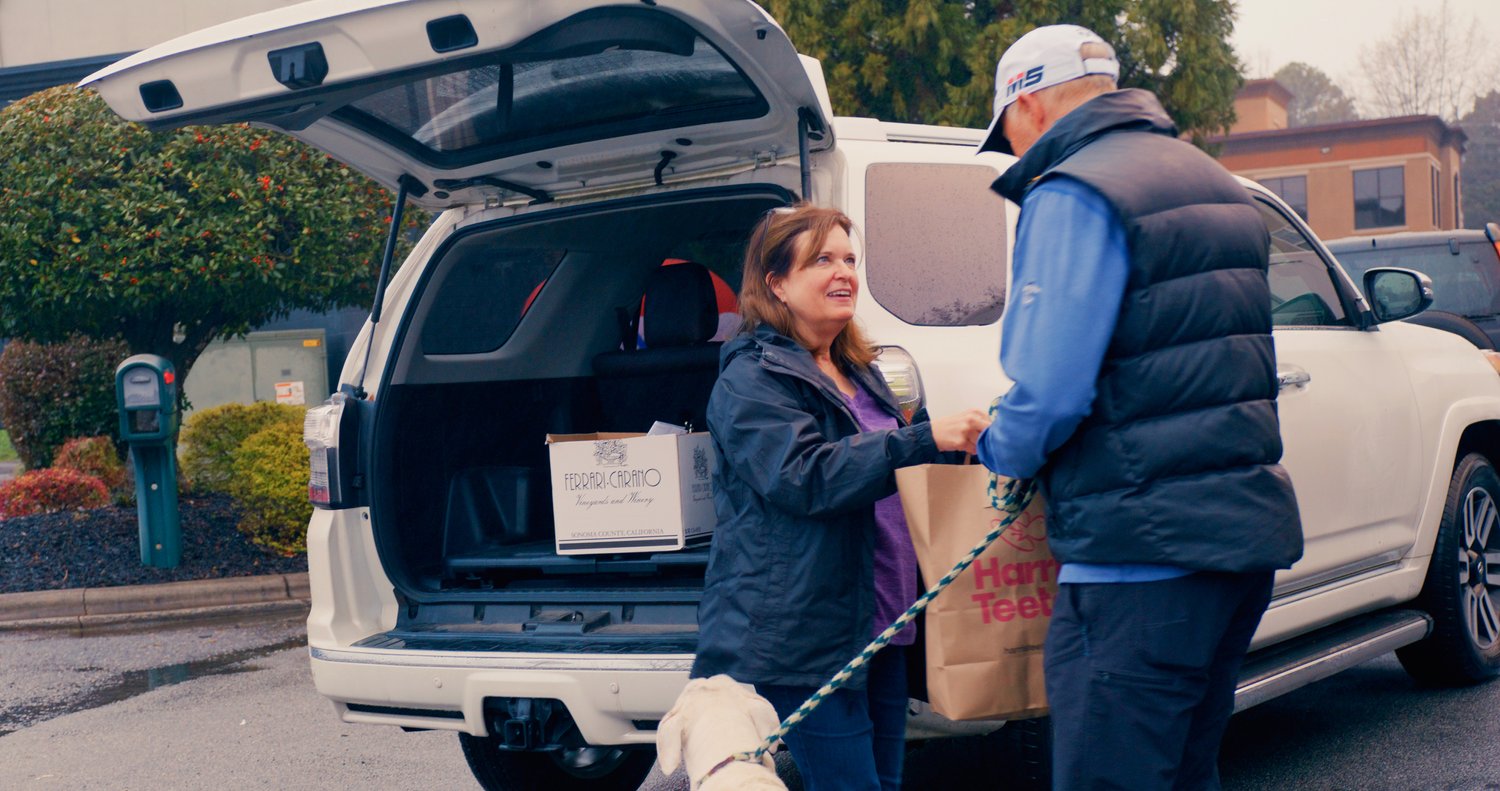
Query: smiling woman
{"type": "Point", "coordinates": [811, 551]}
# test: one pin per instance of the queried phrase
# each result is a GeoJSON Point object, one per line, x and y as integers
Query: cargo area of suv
{"type": "Point", "coordinates": [526, 328]}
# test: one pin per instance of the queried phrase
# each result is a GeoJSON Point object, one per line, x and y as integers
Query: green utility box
{"type": "Point", "coordinates": [146, 395]}
{"type": "Point", "coordinates": [285, 366]}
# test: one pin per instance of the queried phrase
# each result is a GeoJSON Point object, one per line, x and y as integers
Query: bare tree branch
{"type": "Point", "coordinates": [1430, 64]}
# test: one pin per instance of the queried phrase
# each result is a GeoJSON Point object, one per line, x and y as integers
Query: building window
{"type": "Point", "coordinates": [1437, 221]}
{"type": "Point", "coordinates": [1292, 189]}
{"type": "Point", "coordinates": [1379, 198]}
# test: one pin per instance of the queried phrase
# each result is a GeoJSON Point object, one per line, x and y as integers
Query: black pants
{"type": "Point", "coordinates": [1141, 678]}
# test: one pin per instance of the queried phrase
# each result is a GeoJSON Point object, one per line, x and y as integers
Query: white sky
{"type": "Point", "coordinates": [1328, 34]}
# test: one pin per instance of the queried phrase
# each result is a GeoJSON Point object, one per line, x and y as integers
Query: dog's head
{"type": "Point", "coordinates": [717, 697]}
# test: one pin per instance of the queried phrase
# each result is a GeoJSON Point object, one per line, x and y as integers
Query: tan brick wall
{"type": "Point", "coordinates": [1257, 114]}
{"type": "Point", "coordinates": [1328, 161]}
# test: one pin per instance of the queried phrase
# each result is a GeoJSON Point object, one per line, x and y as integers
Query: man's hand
{"type": "Point", "coordinates": [960, 431]}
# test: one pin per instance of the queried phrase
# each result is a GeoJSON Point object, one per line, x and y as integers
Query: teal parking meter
{"type": "Point", "coordinates": [146, 394]}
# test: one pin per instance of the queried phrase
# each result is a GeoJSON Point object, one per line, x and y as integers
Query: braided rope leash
{"type": "Point", "coordinates": [1013, 500]}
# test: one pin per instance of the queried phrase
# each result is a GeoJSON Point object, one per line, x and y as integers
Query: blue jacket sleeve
{"type": "Point", "coordinates": [1068, 277]}
{"type": "Point", "coordinates": [767, 437]}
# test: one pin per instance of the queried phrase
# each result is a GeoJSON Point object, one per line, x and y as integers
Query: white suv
{"type": "Point", "coordinates": [571, 148]}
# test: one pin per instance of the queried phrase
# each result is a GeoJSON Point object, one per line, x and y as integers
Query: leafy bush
{"type": "Point", "coordinates": [51, 393]}
{"type": "Point", "coordinates": [210, 438]}
{"type": "Point", "coordinates": [270, 484]}
{"type": "Point", "coordinates": [51, 490]}
{"type": "Point", "coordinates": [172, 239]}
{"type": "Point", "coordinates": [96, 456]}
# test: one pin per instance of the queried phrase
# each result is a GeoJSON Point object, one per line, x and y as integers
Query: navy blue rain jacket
{"type": "Point", "coordinates": [790, 592]}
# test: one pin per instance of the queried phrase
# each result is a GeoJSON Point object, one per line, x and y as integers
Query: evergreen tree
{"type": "Point", "coordinates": [933, 61]}
{"type": "Point", "coordinates": [171, 240]}
{"type": "Point", "coordinates": [1316, 98]}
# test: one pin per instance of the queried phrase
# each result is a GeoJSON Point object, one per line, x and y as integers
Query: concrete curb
{"type": "Point", "coordinates": [80, 607]}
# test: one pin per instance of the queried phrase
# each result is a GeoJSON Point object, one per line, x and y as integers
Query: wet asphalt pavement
{"type": "Point", "coordinates": [49, 674]}
{"type": "Point", "coordinates": [231, 705]}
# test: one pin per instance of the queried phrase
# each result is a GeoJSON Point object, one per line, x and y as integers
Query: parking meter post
{"type": "Point", "coordinates": [146, 395]}
{"type": "Point", "coordinates": [156, 505]}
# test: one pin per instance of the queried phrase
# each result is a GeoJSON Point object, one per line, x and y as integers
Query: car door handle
{"type": "Point", "coordinates": [1292, 376]}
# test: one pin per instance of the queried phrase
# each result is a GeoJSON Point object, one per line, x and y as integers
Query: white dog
{"type": "Point", "coordinates": [713, 719]}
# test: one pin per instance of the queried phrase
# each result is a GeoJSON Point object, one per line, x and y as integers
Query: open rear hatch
{"type": "Point", "coordinates": [497, 101]}
{"type": "Point", "coordinates": [508, 102]}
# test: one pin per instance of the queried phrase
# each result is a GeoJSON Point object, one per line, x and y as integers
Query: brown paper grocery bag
{"type": "Point", "coordinates": [985, 631]}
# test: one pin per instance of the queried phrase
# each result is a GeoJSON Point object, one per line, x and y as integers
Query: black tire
{"type": "Point", "coordinates": [589, 769]}
{"type": "Point", "coordinates": [1018, 757]}
{"type": "Point", "coordinates": [1456, 324]}
{"type": "Point", "coordinates": [1024, 749]}
{"type": "Point", "coordinates": [1462, 593]}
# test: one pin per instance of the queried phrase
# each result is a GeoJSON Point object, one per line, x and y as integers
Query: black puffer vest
{"type": "Point", "coordinates": [1178, 462]}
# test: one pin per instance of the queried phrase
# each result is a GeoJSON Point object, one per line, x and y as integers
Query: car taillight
{"type": "Point", "coordinates": [328, 432]}
{"type": "Point", "coordinates": [901, 375]}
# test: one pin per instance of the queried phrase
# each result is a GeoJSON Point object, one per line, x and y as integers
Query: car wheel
{"type": "Point", "coordinates": [1017, 757]}
{"type": "Point", "coordinates": [585, 769]}
{"type": "Point", "coordinates": [1462, 591]}
{"type": "Point", "coordinates": [1025, 748]}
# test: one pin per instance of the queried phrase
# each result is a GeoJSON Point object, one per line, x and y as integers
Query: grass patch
{"type": "Point", "coordinates": [7, 453]}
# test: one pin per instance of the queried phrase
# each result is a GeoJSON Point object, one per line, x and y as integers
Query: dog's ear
{"type": "Point", "coordinates": [763, 714]}
{"type": "Point", "coordinates": [669, 736]}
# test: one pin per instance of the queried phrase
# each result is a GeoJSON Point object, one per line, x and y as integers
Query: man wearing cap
{"type": "Point", "coordinates": [1138, 336]}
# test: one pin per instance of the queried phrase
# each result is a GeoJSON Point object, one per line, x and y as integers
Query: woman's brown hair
{"type": "Point", "coordinates": [772, 252]}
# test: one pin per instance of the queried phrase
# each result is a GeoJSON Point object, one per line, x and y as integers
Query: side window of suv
{"type": "Point", "coordinates": [1302, 287]}
{"type": "Point", "coordinates": [482, 293]}
{"type": "Point", "coordinates": [935, 243]}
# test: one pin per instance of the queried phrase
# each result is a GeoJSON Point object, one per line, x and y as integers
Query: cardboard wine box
{"type": "Point", "coordinates": [631, 492]}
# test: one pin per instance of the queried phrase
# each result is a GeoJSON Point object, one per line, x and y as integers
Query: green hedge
{"type": "Point", "coordinates": [50, 393]}
{"type": "Point", "coordinates": [270, 482]}
{"type": "Point", "coordinates": [210, 438]}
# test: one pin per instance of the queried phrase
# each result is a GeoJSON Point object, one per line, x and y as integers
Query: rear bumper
{"type": "Point", "coordinates": [613, 700]}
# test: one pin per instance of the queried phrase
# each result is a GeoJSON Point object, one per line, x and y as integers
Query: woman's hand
{"type": "Point", "coordinates": [960, 431]}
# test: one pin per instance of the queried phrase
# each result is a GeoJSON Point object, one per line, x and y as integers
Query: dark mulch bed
{"type": "Point", "coordinates": [100, 547]}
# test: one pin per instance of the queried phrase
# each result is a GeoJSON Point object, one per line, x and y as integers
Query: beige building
{"type": "Point", "coordinates": [1358, 177]}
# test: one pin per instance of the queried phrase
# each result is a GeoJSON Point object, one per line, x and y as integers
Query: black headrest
{"type": "Point", "coordinates": [680, 307]}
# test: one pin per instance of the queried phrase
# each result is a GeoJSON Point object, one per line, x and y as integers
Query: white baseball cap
{"type": "Point", "coordinates": [1045, 57]}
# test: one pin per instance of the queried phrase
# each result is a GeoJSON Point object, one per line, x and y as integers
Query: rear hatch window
{"type": "Point", "coordinates": [493, 109]}
{"type": "Point", "coordinates": [498, 102]}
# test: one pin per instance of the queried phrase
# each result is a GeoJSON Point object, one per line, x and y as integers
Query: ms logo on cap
{"type": "Point", "coordinates": [1024, 79]}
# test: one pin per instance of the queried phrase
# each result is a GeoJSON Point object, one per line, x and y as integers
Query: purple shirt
{"type": "Point", "coordinates": [895, 559]}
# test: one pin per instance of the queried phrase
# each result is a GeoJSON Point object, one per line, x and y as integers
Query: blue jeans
{"type": "Point", "coordinates": [855, 740]}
